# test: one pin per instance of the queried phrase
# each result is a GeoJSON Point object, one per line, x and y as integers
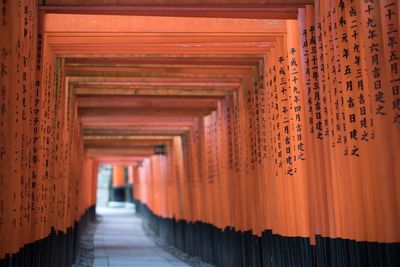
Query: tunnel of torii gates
{"type": "Point", "coordinates": [279, 122]}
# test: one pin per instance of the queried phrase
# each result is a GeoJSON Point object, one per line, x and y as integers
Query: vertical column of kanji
{"type": "Point", "coordinates": [72, 151]}
{"type": "Point", "coordinates": [80, 188]}
{"type": "Point", "coordinates": [64, 167]}
{"type": "Point", "coordinates": [267, 136]}
{"type": "Point", "coordinates": [17, 122]}
{"type": "Point", "coordinates": [293, 153]}
{"type": "Point", "coordinates": [230, 150]}
{"type": "Point", "coordinates": [63, 154]}
{"type": "Point", "coordinates": [352, 86]}
{"type": "Point", "coordinates": [5, 94]}
{"type": "Point", "coordinates": [185, 178]}
{"type": "Point", "coordinates": [289, 170]}
{"type": "Point", "coordinates": [247, 119]}
{"type": "Point", "coordinates": [196, 168]}
{"type": "Point", "coordinates": [327, 11]}
{"type": "Point", "coordinates": [236, 198]}
{"type": "Point", "coordinates": [320, 121]}
{"type": "Point", "coordinates": [69, 155]}
{"type": "Point", "coordinates": [390, 23]}
{"type": "Point", "coordinates": [212, 170]}
{"type": "Point", "coordinates": [56, 144]}
{"type": "Point", "coordinates": [281, 110]}
{"type": "Point", "coordinates": [63, 160]}
{"type": "Point", "coordinates": [194, 153]}
{"type": "Point", "coordinates": [263, 135]}
{"type": "Point", "coordinates": [22, 81]}
{"type": "Point", "coordinates": [272, 135]}
{"type": "Point", "coordinates": [312, 124]}
{"type": "Point", "coordinates": [265, 129]}
{"type": "Point", "coordinates": [244, 99]}
{"type": "Point", "coordinates": [325, 43]}
{"type": "Point", "coordinates": [270, 164]}
{"type": "Point", "coordinates": [306, 19]}
{"type": "Point", "coordinates": [365, 120]}
{"type": "Point", "coordinates": [30, 35]}
{"type": "Point", "coordinates": [223, 192]}
{"type": "Point", "coordinates": [188, 163]}
{"type": "Point", "coordinates": [271, 106]}
{"type": "Point", "coordinates": [47, 115]}
{"type": "Point", "coordinates": [35, 100]}
{"type": "Point", "coordinates": [217, 157]}
{"type": "Point", "coordinates": [244, 106]}
{"type": "Point", "coordinates": [335, 121]}
{"type": "Point", "coordinates": [215, 171]}
{"type": "Point", "coordinates": [257, 146]}
{"type": "Point", "coordinates": [204, 168]}
{"type": "Point", "coordinates": [226, 149]}
{"type": "Point", "coordinates": [188, 174]}
{"type": "Point", "coordinates": [297, 115]}
{"type": "Point", "coordinates": [225, 189]}
{"type": "Point", "coordinates": [205, 143]}
{"type": "Point", "coordinates": [242, 157]}
{"type": "Point", "coordinates": [283, 142]}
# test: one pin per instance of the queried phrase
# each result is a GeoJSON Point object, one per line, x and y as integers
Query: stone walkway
{"type": "Point", "coordinates": [119, 241]}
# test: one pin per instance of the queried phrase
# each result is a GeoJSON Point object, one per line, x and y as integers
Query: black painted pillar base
{"type": "Point", "coordinates": [231, 248]}
{"type": "Point", "coordinates": [57, 249]}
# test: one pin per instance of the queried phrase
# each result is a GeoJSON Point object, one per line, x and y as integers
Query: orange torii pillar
{"type": "Point", "coordinates": [118, 184]}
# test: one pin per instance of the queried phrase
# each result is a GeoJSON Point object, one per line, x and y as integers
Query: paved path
{"type": "Point", "coordinates": [120, 241]}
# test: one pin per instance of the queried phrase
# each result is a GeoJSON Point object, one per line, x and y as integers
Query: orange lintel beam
{"type": "Point", "coordinates": [174, 60]}
{"type": "Point", "coordinates": [135, 120]}
{"type": "Point", "coordinates": [163, 73]}
{"type": "Point", "coordinates": [134, 137]}
{"type": "Point", "coordinates": [120, 160]}
{"type": "Point", "coordinates": [145, 101]}
{"type": "Point", "coordinates": [137, 130]}
{"type": "Point", "coordinates": [88, 50]}
{"type": "Point", "coordinates": [139, 24]}
{"type": "Point", "coordinates": [127, 146]}
{"type": "Point", "coordinates": [148, 92]}
{"type": "Point", "coordinates": [160, 111]}
{"type": "Point", "coordinates": [185, 3]}
{"type": "Point", "coordinates": [96, 152]}
{"type": "Point", "coordinates": [182, 39]}
{"type": "Point", "coordinates": [248, 12]}
{"type": "Point", "coordinates": [96, 143]}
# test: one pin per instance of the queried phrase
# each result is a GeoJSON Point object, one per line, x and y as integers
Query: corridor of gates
{"type": "Point", "coordinates": [243, 132]}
